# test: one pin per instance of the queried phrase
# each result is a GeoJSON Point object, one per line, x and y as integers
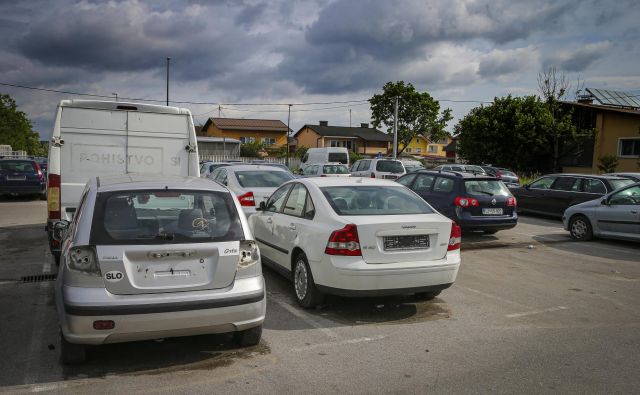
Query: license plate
{"type": "Point", "coordinates": [412, 242]}
{"type": "Point", "coordinates": [492, 211]}
{"type": "Point", "coordinates": [16, 178]}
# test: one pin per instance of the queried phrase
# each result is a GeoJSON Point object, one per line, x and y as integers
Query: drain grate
{"type": "Point", "coordinates": [38, 278]}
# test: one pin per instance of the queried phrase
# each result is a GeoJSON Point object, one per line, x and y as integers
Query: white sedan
{"type": "Point", "coordinates": [252, 184]}
{"type": "Point", "coordinates": [356, 237]}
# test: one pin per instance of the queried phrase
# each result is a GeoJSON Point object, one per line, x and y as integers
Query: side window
{"type": "Point", "coordinates": [305, 158]}
{"type": "Point", "coordinates": [591, 185]}
{"type": "Point", "coordinates": [443, 185]}
{"type": "Point", "coordinates": [629, 196]}
{"type": "Point", "coordinates": [295, 202]}
{"type": "Point", "coordinates": [202, 168]}
{"type": "Point", "coordinates": [424, 182]}
{"type": "Point", "coordinates": [222, 177]}
{"type": "Point", "coordinates": [309, 209]}
{"type": "Point", "coordinates": [364, 165]}
{"type": "Point", "coordinates": [543, 183]}
{"type": "Point", "coordinates": [565, 183]}
{"type": "Point", "coordinates": [275, 202]}
{"type": "Point", "coordinates": [354, 167]}
{"type": "Point", "coordinates": [406, 181]}
{"type": "Point", "coordinates": [308, 170]}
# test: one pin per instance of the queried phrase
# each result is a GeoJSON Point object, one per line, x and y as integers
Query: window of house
{"type": "Point", "coordinates": [268, 140]}
{"type": "Point", "coordinates": [417, 141]}
{"type": "Point", "coordinates": [418, 150]}
{"type": "Point", "coordinates": [247, 140]}
{"type": "Point", "coordinates": [443, 141]}
{"type": "Point", "coordinates": [433, 149]}
{"type": "Point", "coordinates": [409, 149]}
{"type": "Point", "coordinates": [629, 147]}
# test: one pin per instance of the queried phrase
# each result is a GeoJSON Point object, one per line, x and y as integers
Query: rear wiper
{"type": "Point", "coordinates": [162, 236]}
{"type": "Point", "coordinates": [485, 192]}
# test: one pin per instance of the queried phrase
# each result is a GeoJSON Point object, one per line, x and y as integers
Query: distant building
{"type": "Point", "coordinates": [363, 140]}
{"type": "Point", "coordinates": [218, 146]}
{"type": "Point", "coordinates": [421, 146]}
{"type": "Point", "coordinates": [270, 132]}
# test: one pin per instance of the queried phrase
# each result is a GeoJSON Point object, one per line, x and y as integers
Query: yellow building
{"type": "Point", "coordinates": [270, 132]}
{"type": "Point", "coordinates": [421, 146]}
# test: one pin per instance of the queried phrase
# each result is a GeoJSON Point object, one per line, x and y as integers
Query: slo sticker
{"type": "Point", "coordinates": [113, 276]}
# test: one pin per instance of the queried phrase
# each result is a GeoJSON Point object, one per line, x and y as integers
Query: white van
{"type": "Point", "coordinates": [102, 138]}
{"type": "Point", "coordinates": [324, 155]}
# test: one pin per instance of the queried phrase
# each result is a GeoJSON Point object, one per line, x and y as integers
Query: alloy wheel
{"type": "Point", "coordinates": [579, 228]}
{"type": "Point", "coordinates": [300, 279]}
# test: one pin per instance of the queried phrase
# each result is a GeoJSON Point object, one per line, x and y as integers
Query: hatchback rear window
{"type": "Point", "coordinates": [262, 178]}
{"type": "Point", "coordinates": [486, 188]}
{"type": "Point", "coordinates": [390, 166]}
{"type": "Point", "coordinates": [339, 157]}
{"type": "Point", "coordinates": [165, 217]}
{"type": "Point", "coordinates": [17, 166]}
{"type": "Point", "coordinates": [335, 169]}
{"type": "Point", "coordinates": [374, 200]}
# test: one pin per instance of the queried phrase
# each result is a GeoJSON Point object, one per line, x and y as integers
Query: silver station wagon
{"type": "Point", "coordinates": [149, 258]}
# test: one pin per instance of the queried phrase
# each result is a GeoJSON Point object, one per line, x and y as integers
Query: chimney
{"type": "Point", "coordinates": [364, 125]}
{"type": "Point", "coordinates": [324, 123]}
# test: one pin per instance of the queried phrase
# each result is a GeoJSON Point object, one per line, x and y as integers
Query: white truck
{"type": "Point", "coordinates": [102, 138]}
{"type": "Point", "coordinates": [324, 155]}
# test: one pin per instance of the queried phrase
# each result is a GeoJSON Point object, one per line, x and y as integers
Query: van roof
{"type": "Point", "coordinates": [134, 181]}
{"type": "Point", "coordinates": [123, 106]}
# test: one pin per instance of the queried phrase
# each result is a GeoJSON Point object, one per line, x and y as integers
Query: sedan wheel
{"type": "Point", "coordinates": [580, 228]}
{"type": "Point", "coordinates": [307, 294]}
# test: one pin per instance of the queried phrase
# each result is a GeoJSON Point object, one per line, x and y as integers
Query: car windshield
{"type": "Point", "coordinates": [262, 178]}
{"type": "Point", "coordinates": [617, 184]}
{"type": "Point", "coordinates": [486, 188]}
{"type": "Point", "coordinates": [17, 166]}
{"type": "Point", "coordinates": [165, 217]}
{"type": "Point", "coordinates": [335, 169]}
{"type": "Point", "coordinates": [374, 200]}
{"type": "Point", "coordinates": [390, 166]}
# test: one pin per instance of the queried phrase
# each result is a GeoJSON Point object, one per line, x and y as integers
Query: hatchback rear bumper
{"type": "Point", "coordinates": [468, 222]}
{"type": "Point", "coordinates": [23, 189]}
{"type": "Point", "coordinates": [152, 316]}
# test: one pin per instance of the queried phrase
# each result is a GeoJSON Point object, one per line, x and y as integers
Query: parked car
{"type": "Point", "coordinates": [326, 170]}
{"type": "Point", "coordinates": [206, 168]}
{"type": "Point", "coordinates": [615, 215]}
{"type": "Point", "coordinates": [359, 237]}
{"type": "Point", "coordinates": [100, 138]}
{"type": "Point", "coordinates": [473, 169]}
{"type": "Point", "coordinates": [509, 177]}
{"type": "Point", "coordinates": [632, 176]}
{"type": "Point", "coordinates": [252, 184]}
{"type": "Point", "coordinates": [388, 169]}
{"type": "Point", "coordinates": [22, 177]}
{"type": "Point", "coordinates": [148, 258]}
{"type": "Point", "coordinates": [475, 202]}
{"type": "Point", "coordinates": [265, 163]}
{"type": "Point", "coordinates": [554, 193]}
{"type": "Point", "coordinates": [324, 155]}
{"type": "Point", "coordinates": [412, 165]}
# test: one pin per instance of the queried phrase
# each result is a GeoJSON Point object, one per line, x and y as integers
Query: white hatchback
{"type": "Point", "coordinates": [252, 184]}
{"type": "Point", "coordinates": [356, 237]}
{"type": "Point", "coordinates": [388, 169]}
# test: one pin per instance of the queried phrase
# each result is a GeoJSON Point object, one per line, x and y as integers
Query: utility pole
{"type": "Point", "coordinates": [168, 60]}
{"type": "Point", "coordinates": [349, 117]}
{"type": "Point", "coordinates": [395, 130]}
{"type": "Point", "coordinates": [219, 110]}
{"type": "Point", "coordinates": [288, 120]}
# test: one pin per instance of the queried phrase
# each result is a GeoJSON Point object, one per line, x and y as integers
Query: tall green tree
{"type": "Point", "coordinates": [418, 113]}
{"type": "Point", "coordinates": [16, 129]}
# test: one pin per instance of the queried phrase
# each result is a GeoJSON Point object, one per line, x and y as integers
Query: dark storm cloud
{"type": "Point", "coordinates": [579, 59]}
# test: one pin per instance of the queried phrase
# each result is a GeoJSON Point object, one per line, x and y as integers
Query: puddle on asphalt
{"type": "Point", "coordinates": [394, 311]}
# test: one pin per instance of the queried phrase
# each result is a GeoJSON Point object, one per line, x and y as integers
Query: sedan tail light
{"type": "Point", "coordinates": [466, 202]}
{"type": "Point", "coordinates": [39, 171]}
{"type": "Point", "coordinates": [511, 201]}
{"type": "Point", "coordinates": [247, 199]}
{"type": "Point", "coordinates": [344, 242]}
{"type": "Point", "coordinates": [53, 196]}
{"type": "Point", "coordinates": [455, 238]}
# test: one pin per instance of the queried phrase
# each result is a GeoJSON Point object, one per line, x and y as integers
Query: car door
{"type": "Point", "coordinates": [533, 196]}
{"type": "Point", "coordinates": [564, 192]}
{"type": "Point", "coordinates": [286, 222]}
{"type": "Point", "coordinates": [423, 186]}
{"type": "Point", "coordinates": [440, 195]}
{"type": "Point", "coordinates": [620, 216]}
{"type": "Point", "coordinates": [262, 224]}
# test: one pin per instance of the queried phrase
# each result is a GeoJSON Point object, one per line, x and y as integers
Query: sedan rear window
{"type": "Point", "coordinates": [335, 169]}
{"type": "Point", "coordinates": [165, 217]}
{"type": "Point", "coordinates": [262, 178]}
{"type": "Point", "coordinates": [390, 166]}
{"type": "Point", "coordinates": [486, 188]}
{"type": "Point", "coordinates": [17, 166]}
{"type": "Point", "coordinates": [374, 200]}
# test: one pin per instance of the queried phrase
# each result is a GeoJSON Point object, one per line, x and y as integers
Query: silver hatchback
{"type": "Point", "coordinates": [149, 258]}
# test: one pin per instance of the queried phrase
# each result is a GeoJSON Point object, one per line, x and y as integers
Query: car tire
{"type": "Point", "coordinates": [304, 288]}
{"type": "Point", "coordinates": [427, 295]}
{"type": "Point", "coordinates": [56, 258]}
{"type": "Point", "coordinates": [71, 353]}
{"type": "Point", "coordinates": [248, 337]}
{"type": "Point", "coordinates": [490, 232]}
{"type": "Point", "coordinates": [580, 228]}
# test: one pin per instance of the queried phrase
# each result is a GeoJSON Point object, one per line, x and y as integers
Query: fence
{"type": "Point", "coordinates": [293, 162]}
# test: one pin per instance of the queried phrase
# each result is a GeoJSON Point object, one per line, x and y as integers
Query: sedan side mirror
{"type": "Point", "coordinates": [262, 206]}
{"type": "Point", "coordinates": [60, 229]}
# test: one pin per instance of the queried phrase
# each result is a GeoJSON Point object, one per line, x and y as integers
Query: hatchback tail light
{"type": "Point", "coordinates": [247, 199]}
{"type": "Point", "coordinates": [499, 175]}
{"type": "Point", "coordinates": [511, 201]}
{"type": "Point", "coordinates": [373, 175]}
{"type": "Point", "coordinates": [83, 259]}
{"type": "Point", "coordinates": [53, 196]}
{"type": "Point", "coordinates": [39, 171]}
{"type": "Point", "coordinates": [455, 238]}
{"type": "Point", "coordinates": [344, 242]}
{"type": "Point", "coordinates": [466, 202]}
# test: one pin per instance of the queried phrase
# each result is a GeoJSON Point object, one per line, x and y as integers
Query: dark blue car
{"type": "Point", "coordinates": [22, 177]}
{"type": "Point", "coordinates": [475, 202]}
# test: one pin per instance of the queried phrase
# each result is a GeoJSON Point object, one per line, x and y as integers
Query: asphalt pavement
{"type": "Point", "coordinates": [531, 312]}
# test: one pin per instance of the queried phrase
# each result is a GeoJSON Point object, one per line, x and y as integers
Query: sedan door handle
{"type": "Point", "coordinates": [269, 220]}
{"type": "Point", "coordinates": [292, 227]}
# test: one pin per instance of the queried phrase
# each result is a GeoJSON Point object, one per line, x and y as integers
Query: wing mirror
{"type": "Point", "coordinates": [60, 230]}
{"type": "Point", "coordinates": [262, 206]}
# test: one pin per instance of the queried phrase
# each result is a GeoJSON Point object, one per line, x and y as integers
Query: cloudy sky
{"type": "Point", "coordinates": [315, 51]}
